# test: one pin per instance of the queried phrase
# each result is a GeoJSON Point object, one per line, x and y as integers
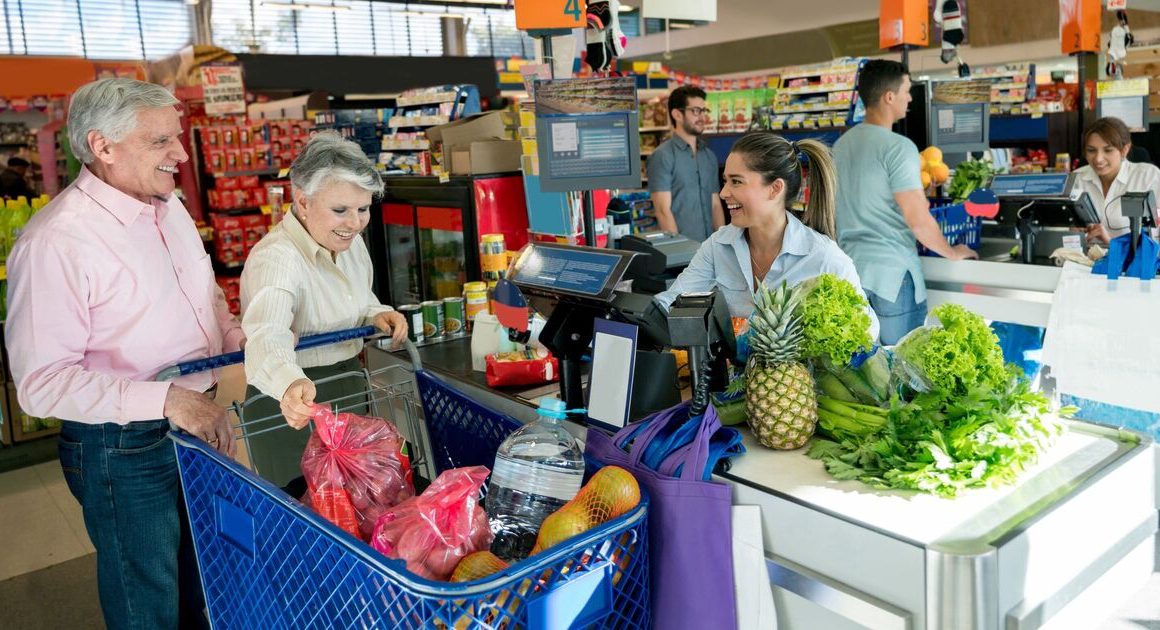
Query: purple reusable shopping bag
{"type": "Point", "coordinates": [690, 531]}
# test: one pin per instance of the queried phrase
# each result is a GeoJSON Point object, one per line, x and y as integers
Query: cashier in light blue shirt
{"type": "Point", "coordinates": [764, 243]}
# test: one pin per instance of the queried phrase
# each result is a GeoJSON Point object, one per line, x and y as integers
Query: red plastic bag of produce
{"type": "Point", "coordinates": [355, 469]}
{"type": "Point", "coordinates": [435, 530]}
{"type": "Point", "coordinates": [528, 367]}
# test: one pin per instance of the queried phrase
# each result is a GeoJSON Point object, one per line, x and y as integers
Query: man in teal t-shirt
{"type": "Point", "coordinates": [881, 206]}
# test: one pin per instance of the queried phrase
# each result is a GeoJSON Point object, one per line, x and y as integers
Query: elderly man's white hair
{"type": "Point", "coordinates": [110, 106]}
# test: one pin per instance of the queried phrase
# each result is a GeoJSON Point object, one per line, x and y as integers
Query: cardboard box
{"type": "Point", "coordinates": [461, 133]}
{"type": "Point", "coordinates": [486, 156]}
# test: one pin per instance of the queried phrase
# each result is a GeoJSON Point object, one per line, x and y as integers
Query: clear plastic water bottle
{"type": "Point", "coordinates": [537, 470]}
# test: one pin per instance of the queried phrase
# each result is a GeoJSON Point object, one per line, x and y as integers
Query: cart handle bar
{"type": "Point", "coordinates": [309, 341]}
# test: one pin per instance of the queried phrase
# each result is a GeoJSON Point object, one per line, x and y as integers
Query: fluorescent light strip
{"type": "Point", "coordinates": [454, 16]}
{"type": "Point", "coordinates": [286, 6]}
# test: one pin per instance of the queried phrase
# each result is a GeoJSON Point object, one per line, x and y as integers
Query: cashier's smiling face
{"type": "Point", "coordinates": [746, 196]}
{"type": "Point", "coordinates": [335, 214]}
{"type": "Point", "coordinates": [1104, 158]}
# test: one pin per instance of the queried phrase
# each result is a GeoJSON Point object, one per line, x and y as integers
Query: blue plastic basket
{"type": "Point", "coordinates": [269, 562]}
{"type": "Point", "coordinates": [957, 226]}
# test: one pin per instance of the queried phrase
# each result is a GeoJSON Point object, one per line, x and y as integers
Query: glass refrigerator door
{"type": "Point", "coordinates": [441, 241]}
{"type": "Point", "coordinates": [402, 253]}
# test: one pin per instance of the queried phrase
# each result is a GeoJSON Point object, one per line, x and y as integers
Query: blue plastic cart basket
{"type": "Point", "coordinates": [269, 562]}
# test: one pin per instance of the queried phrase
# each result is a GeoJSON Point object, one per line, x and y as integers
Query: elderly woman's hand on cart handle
{"type": "Point", "coordinates": [200, 416]}
{"type": "Point", "coordinates": [393, 323]}
{"type": "Point", "coordinates": [298, 403]}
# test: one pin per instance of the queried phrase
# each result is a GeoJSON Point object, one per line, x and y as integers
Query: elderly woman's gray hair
{"type": "Point", "coordinates": [329, 156]}
{"type": "Point", "coordinates": [110, 106]}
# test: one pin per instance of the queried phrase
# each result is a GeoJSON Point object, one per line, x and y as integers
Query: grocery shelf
{"type": "Point", "coordinates": [406, 146]}
{"type": "Point", "coordinates": [426, 99]}
{"type": "Point", "coordinates": [653, 129]}
{"type": "Point", "coordinates": [3, 272]}
{"type": "Point", "coordinates": [817, 89]}
{"type": "Point", "coordinates": [803, 109]}
{"type": "Point", "coordinates": [397, 122]}
{"type": "Point", "coordinates": [261, 172]}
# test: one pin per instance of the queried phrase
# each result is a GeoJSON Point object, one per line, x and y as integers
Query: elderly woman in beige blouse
{"type": "Point", "coordinates": [311, 274]}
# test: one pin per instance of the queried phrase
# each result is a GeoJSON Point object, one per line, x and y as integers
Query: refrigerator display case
{"type": "Point", "coordinates": [428, 244]}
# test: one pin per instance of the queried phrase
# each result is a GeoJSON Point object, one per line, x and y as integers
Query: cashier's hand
{"type": "Point", "coordinates": [1097, 233]}
{"type": "Point", "coordinates": [962, 252]}
{"type": "Point", "coordinates": [201, 417]}
{"type": "Point", "coordinates": [298, 402]}
{"type": "Point", "coordinates": [394, 323]}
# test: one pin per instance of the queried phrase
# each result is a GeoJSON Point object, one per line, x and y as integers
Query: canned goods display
{"type": "Point", "coordinates": [453, 316]}
{"type": "Point", "coordinates": [432, 319]}
{"type": "Point", "coordinates": [492, 256]}
{"type": "Point", "coordinates": [475, 297]}
{"type": "Point", "coordinates": [414, 316]}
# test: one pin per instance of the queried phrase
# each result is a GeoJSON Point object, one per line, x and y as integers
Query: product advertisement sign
{"type": "Point", "coordinates": [223, 88]}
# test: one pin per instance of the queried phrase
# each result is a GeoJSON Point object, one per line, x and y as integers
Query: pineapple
{"type": "Point", "coordinates": [779, 396]}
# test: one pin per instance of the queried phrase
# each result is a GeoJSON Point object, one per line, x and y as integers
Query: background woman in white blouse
{"type": "Point", "coordinates": [311, 274]}
{"type": "Point", "coordinates": [1109, 174]}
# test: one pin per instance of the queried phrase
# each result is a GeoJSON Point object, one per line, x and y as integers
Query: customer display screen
{"type": "Point", "coordinates": [569, 270]}
{"type": "Point", "coordinates": [587, 134]}
{"type": "Point", "coordinates": [1030, 185]}
{"type": "Point", "coordinates": [959, 115]}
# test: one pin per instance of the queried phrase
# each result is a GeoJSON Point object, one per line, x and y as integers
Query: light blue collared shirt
{"type": "Point", "coordinates": [723, 262]}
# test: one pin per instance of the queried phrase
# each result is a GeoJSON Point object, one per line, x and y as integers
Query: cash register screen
{"type": "Point", "coordinates": [1030, 185]}
{"type": "Point", "coordinates": [577, 271]}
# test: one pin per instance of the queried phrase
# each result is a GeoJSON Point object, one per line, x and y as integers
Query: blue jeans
{"type": "Point", "coordinates": [898, 317]}
{"type": "Point", "coordinates": [125, 478]}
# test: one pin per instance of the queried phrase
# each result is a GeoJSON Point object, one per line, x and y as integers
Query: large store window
{"type": "Point", "coordinates": [493, 33]}
{"type": "Point", "coordinates": [97, 29]}
{"type": "Point", "coordinates": [328, 27]}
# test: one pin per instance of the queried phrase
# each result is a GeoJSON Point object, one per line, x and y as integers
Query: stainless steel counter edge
{"type": "Point", "coordinates": [836, 597]}
{"type": "Point", "coordinates": [998, 275]}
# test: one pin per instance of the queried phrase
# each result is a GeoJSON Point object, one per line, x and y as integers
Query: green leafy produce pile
{"type": "Point", "coordinates": [961, 355]}
{"type": "Point", "coordinates": [945, 443]}
{"type": "Point", "coordinates": [834, 319]}
{"type": "Point", "coordinates": [970, 175]}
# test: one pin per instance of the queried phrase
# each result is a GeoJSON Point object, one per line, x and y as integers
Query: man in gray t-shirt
{"type": "Point", "coordinates": [881, 206]}
{"type": "Point", "coordinates": [682, 172]}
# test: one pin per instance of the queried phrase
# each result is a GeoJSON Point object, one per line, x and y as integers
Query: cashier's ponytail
{"type": "Point", "coordinates": [777, 158]}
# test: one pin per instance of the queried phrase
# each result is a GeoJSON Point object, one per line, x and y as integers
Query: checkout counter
{"type": "Point", "coordinates": [1059, 549]}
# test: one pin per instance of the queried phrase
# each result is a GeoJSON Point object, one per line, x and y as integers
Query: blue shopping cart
{"type": "Point", "coordinates": [269, 562]}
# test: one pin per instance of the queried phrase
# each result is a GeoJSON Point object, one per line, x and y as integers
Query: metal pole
{"type": "Point", "coordinates": [589, 218]}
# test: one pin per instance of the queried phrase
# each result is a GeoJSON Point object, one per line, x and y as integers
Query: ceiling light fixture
{"type": "Point", "coordinates": [454, 16]}
{"type": "Point", "coordinates": [680, 25]}
{"type": "Point", "coordinates": [625, 8]}
{"type": "Point", "coordinates": [305, 6]}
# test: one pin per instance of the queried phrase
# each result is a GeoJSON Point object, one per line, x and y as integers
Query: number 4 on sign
{"type": "Point", "coordinates": [572, 8]}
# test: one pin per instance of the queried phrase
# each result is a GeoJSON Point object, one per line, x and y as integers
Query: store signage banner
{"type": "Point", "coordinates": [696, 10]}
{"type": "Point", "coordinates": [1122, 87]}
{"type": "Point", "coordinates": [1117, 5]}
{"type": "Point", "coordinates": [223, 88]}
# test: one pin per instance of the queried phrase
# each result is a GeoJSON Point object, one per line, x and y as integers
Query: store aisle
{"type": "Point", "coordinates": [48, 570]}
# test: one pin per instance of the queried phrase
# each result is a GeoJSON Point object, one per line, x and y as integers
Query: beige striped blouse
{"type": "Point", "coordinates": [292, 287]}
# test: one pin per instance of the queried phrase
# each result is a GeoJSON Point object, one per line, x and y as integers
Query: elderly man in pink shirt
{"type": "Point", "coordinates": [107, 285]}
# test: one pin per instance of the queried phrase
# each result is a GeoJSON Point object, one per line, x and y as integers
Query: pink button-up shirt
{"type": "Point", "coordinates": [104, 291]}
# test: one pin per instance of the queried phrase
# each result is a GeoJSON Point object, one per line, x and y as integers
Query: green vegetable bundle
{"type": "Point", "coordinates": [961, 355]}
{"type": "Point", "coordinates": [942, 442]}
{"type": "Point", "coordinates": [834, 320]}
{"type": "Point", "coordinates": [970, 175]}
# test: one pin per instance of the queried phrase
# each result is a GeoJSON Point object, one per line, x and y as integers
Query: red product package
{"type": "Point", "coordinates": [358, 459]}
{"type": "Point", "coordinates": [435, 530]}
{"type": "Point", "coordinates": [521, 368]}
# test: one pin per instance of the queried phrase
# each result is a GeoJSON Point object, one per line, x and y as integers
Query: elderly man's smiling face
{"type": "Point", "coordinates": [143, 164]}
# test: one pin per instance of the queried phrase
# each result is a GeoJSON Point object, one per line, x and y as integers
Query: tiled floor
{"type": "Point", "coordinates": [41, 526]}
{"type": "Point", "coordinates": [40, 521]}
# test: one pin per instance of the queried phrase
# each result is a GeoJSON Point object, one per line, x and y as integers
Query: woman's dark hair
{"type": "Point", "coordinates": [777, 158]}
{"type": "Point", "coordinates": [1112, 130]}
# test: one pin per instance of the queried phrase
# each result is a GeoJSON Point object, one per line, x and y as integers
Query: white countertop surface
{"type": "Point", "coordinates": [975, 517]}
